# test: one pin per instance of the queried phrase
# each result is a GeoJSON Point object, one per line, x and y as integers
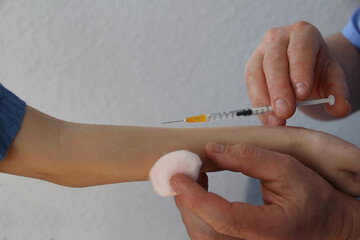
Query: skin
{"type": "Point", "coordinates": [80, 155]}
{"type": "Point", "coordinates": [294, 62]}
{"type": "Point", "coordinates": [297, 201]}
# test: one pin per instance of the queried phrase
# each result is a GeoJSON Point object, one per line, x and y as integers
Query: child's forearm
{"type": "Point", "coordinates": [84, 155]}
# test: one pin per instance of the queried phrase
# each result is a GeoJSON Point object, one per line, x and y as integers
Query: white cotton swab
{"type": "Point", "coordinates": [178, 162]}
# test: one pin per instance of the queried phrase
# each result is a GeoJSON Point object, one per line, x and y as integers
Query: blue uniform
{"type": "Point", "coordinates": [12, 111]}
{"type": "Point", "coordinates": [352, 30]}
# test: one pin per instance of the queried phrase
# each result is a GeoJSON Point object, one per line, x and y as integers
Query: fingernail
{"type": "Point", "coordinates": [280, 106]}
{"type": "Point", "coordinates": [218, 148]}
{"type": "Point", "coordinates": [272, 120]}
{"type": "Point", "coordinates": [175, 186]}
{"type": "Point", "coordinates": [300, 88]}
{"type": "Point", "coordinates": [347, 102]}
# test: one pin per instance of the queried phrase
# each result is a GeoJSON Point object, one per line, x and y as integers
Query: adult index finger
{"type": "Point", "coordinates": [257, 88]}
{"type": "Point", "coordinates": [276, 69]}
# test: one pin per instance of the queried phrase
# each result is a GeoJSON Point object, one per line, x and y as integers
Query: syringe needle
{"type": "Point", "coordinates": [174, 121]}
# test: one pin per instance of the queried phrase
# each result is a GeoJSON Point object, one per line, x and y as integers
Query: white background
{"type": "Point", "coordinates": [135, 62]}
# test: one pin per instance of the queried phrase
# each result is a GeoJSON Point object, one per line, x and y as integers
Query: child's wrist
{"type": "Point", "coordinates": [298, 140]}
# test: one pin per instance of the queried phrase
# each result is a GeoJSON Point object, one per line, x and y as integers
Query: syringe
{"type": "Point", "coordinates": [247, 111]}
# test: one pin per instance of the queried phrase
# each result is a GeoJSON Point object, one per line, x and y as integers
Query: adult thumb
{"type": "Point", "coordinates": [335, 84]}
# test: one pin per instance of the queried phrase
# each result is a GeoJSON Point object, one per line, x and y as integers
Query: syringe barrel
{"type": "Point", "coordinates": [261, 110]}
{"type": "Point", "coordinates": [238, 113]}
{"type": "Point", "coordinates": [221, 116]}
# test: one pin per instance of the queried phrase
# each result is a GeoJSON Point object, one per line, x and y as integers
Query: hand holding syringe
{"type": "Point", "coordinates": [247, 111]}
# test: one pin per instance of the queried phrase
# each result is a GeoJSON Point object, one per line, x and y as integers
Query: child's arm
{"type": "Point", "coordinates": [79, 155]}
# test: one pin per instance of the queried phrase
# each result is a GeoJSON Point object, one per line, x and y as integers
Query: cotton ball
{"type": "Point", "coordinates": [178, 162]}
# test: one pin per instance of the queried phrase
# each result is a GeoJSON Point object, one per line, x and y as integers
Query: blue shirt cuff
{"type": "Point", "coordinates": [352, 30]}
{"type": "Point", "coordinates": [12, 111]}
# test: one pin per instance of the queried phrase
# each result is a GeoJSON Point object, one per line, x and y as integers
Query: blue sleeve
{"type": "Point", "coordinates": [352, 30]}
{"type": "Point", "coordinates": [12, 110]}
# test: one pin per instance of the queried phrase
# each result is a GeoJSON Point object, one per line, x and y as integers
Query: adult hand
{"type": "Point", "coordinates": [299, 204]}
{"type": "Point", "coordinates": [294, 63]}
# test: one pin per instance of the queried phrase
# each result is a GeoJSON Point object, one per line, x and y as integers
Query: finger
{"type": "Point", "coordinates": [347, 181]}
{"type": "Point", "coordinates": [304, 45]}
{"type": "Point", "coordinates": [352, 155]}
{"type": "Point", "coordinates": [256, 86]}
{"type": "Point", "coordinates": [335, 85]}
{"type": "Point", "coordinates": [237, 219]}
{"type": "Point", "coordinates": [343, 167]}
{"type": "Point", "coordinates": [193, 224]}
{"type": "Point", "coordinates": [276, 70]}
{"type": "Point", "coordinates": [199, 201]}
{"type": "Point", "coordinates": [248, 159]}
{"type": "Point", "coordinates": [196, 227]}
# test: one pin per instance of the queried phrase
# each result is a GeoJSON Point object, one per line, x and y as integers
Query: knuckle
{"type": "Point", "coordinates": [250, 77]}
{"type": "Point", "coordinates": [225, 227]}
{"type": "Point", "coordinates": [277, 84]}
{"type": "Point", "coordinates": [302, 53]}
{"type": "Point", "coordinates": [196, 206]}
{"type": "Point", "coordinates": [252, 68]}
{"type": "Point", "coordinates": [305, 27]}
{"type": "Point", "coordinates": [275, 53]}
{"type": "Point", "coordinates": [297, 46]}
{"type": "Point", "coordinates": [299, 71]}
{"type": "Point", "coordinates": [299, 66]}
{"type": "Point", "coordinates": [272, 35]}
{"type": "Point", "coordinates": [244, 150]}
{"type": "Point", "coordinates": [302, 25]}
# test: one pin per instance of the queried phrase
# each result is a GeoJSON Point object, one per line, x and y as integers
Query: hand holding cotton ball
{"type": "Point", "coordinates": [178, 162]}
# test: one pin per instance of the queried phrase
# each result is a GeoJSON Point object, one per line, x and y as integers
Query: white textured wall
{"type": "Point", "coordinates": [135, 62]}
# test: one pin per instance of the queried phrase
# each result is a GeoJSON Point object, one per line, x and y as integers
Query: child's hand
{"type": "Point", "coordinates": [334, 158]}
